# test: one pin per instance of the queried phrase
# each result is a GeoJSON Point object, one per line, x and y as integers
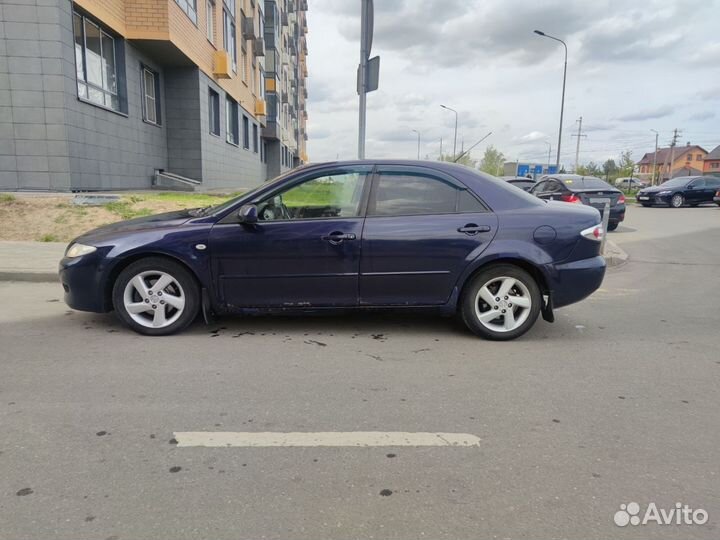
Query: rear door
{"type": "Point", "coordinates": [422, 229]}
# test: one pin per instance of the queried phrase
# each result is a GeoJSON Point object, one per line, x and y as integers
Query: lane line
{"type": "Point", "coordinates": [224, 439]}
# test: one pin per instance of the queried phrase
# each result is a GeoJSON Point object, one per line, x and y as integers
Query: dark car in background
{"type": "Point", "coordinates": [587, 190]}
{"type": "Point", "coordinates": [523, 182]}
{"type": "Point", "coordinates": [681, 191]}
{"type": "Point", "coordinates": [346, 235]}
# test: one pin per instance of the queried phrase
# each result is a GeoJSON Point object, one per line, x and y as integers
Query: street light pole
{"type": "Point", "coordinates": [657, 134]}
{"type": "Point", "coordinates": [418, 134]}
{"type": "Point", "coordinates": [456, 127]}
{"type": "Point", "coordinates": [562, 103]}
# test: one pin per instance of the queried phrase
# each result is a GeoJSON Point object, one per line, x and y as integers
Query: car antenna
{"type": "Point", "coordinates": [473, 146]}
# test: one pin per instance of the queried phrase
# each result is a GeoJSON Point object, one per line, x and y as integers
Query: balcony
{"type": "Point", "coordinates": [259, 47]}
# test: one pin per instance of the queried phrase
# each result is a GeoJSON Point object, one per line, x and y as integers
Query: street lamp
{"type": "Point", "coordinates": [562, 103]}
{"type": "Point", "coordinates": [456, 125]}
{"type": "Point", "coordinates": [549, 153]}
{"type": "Point", "coordinates": [418, 134]}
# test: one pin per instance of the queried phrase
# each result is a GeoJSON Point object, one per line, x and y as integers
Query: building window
{"type": "Point", "coordinates": [698, 157]}
{"type": "Point", "coordinates": [229, 35]}
{"type": "Point", "coordinates": [214, 111]}
{"type": "Point", "coordinates": [210, 7]}
{"type": "Point", "coordinates": [151, 96]}
{"type": "Point", "coordinates": [255, 138]}
{"type": "Point", "coordinates": [96, 63]}
{"type": "Point", "coordinates": [715, 165]}
{"type": "Point", "coordinates": [189, 7]}
{"type": "Point", "coordinates": [233, 136]}
{"type": "Point", "coordinates": [246, 133]}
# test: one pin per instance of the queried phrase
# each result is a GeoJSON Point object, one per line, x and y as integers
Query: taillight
{"type": "Point", "coordinates": [595, 232]}
{"type": "Point", "coordinates": [621, 199]}
{"type": "Point", "coordinates": [570, 198]}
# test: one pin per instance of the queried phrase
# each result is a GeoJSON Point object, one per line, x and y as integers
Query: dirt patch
{"type": "Point", "coordinates": [57, 219]}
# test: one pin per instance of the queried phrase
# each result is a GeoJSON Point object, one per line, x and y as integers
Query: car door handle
{"type": "Point", "coordinates": [338, 237]}
{"type": "Point", "coordinates": [472, 229]}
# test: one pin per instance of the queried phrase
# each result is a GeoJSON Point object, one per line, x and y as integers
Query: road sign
{"type": "Point", "coordinates": [523, 169]}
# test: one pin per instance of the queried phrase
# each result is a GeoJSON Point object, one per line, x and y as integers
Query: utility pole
{"type": "Point", "coordinates": [456, 128]}
{"type": "Point", "coordinates": [418, 140]}
{"type": "Point", "coordinates": [441, 154]}
{"type": "Point", "coordinates": [676, 136]}
{"type": "Point", "coordinates": [577, 148]}
{"type": "Point", "coordinates": [654, 169]}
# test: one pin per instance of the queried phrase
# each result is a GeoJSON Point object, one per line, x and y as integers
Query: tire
{"type": "Point", "coordinates": [483, 287]}
{"type": "Point", "coordinates": [135, 308]}
{"type": "Point", "coordinates": [677, 201]}
{"type": "Point", "coordinates": [612, 226]}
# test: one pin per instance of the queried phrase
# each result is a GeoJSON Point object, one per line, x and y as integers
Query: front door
{"type": "Point", "coordinates": [303, 252]}
{"type": "Point", "coordinates": [422, 229]}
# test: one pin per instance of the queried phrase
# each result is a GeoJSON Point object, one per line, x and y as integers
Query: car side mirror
{"type": "Point", "coordinates": [248, 214]}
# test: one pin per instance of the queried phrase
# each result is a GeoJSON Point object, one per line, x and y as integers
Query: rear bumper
{"type": "Point", "coordinates": [574, 281]}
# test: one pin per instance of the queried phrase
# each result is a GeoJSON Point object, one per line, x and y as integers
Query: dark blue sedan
{"type": "Point", "coordinates": [365, 234]}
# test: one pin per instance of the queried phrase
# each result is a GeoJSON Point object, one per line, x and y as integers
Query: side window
{"type": "Point", "coordinates": [698, 184]}
{"type": "Point", "coordinates": [553, 186]}
{"type": "Point", "coordinates": [328, 196]}
{"type": "Point", "coordinates": [467, 203]}
{"type": "Point", "coordinates": [539, 187]}
{"type": "Point", "coordinates": [403, 194]}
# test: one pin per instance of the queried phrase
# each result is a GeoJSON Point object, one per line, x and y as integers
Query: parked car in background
{"type": "Point", "coordinates": [630, 183]}
{"type": "Point", "coordinates": [716, 198]}
{"type": "Point", "coordinates": [681, 191]}
{"type": "Point", "coordinates": [523, 182]}
{"type": "Point", "coordinates": [346, 235]}
{"type": "Point", "coordinates": [588, 190]}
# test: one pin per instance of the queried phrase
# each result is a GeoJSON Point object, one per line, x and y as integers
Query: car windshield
{"type": "Point", "coordinates": [675, 182]}
{"type": "Point", "coordinates": [227, 204]}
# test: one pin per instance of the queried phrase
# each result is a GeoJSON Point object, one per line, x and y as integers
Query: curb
{"type": "Point", "coordinates": [614, 254]}
{"type": "Point", "coordinates": [29, 276]}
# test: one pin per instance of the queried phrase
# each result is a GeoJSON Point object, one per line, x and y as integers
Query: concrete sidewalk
{"type": "Point", "coordinates": [30, 261]}
{"type": "Point", "coordinates": [38, 261]}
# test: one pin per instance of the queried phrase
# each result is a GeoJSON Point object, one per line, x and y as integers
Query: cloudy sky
{"type": "Point", "coordinates": [633, 66]}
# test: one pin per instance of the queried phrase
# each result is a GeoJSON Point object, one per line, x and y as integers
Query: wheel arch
{"type": "Point", "coordinates": [530, 267]}
{"type": "Point", "coordinates": [123, 263]}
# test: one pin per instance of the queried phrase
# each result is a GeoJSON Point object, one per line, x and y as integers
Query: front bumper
{"type": "Point", "coordinates": [574, 281]}
{"type": "Point", "coordinates": [653, 198]}
{"type": "Point", "coordinates": [81, 278]}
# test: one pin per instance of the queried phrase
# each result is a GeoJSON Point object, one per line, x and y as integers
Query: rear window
{"type": "Point", "coordinates": [590, 182]}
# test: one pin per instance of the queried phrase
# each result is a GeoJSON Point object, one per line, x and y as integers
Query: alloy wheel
{"type": "Point", "coordinates": [503, 304]}
{"type": "Point", "coordinates": [154, 299]}
{"type": "Point", "coordinates": [677, 201]}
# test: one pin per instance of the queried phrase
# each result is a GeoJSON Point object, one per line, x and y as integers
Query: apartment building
{"type": "Point", "coordinates": [286, 86]}
{"type": "Point", "coordinates": [125, 94]}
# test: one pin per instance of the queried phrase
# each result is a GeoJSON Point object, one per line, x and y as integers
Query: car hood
{"type": "Point", "coordinates": [157, 221]}
{"type": "Point", "coordinates": [656, 189]}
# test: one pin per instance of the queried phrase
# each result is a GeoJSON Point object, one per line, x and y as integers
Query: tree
{"type": "Point", "coordinates": [609, 168]}
{"type": "Point", "coordinates": [627, 165]}
{"type": "Point", "coordinates": [464, 160]}
{"type": "Point", "coordinates": [493, 160]}
{"type": "Point", "coordinates": [591, 169]}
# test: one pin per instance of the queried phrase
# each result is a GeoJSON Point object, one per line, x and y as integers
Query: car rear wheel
{"type": "Point", "coordinates": [677, 201]}
{"type": "Point", "coordinates": [613, 225]}
{"type": "Point", "coordinates": [156, 296]}
{"type": "Point", "coordinates": [501, 302]}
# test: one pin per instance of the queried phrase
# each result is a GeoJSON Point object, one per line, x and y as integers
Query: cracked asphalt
{"type": "Point", "coordinates": [615, 402]}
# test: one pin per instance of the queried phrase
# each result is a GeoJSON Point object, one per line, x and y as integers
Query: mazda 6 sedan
{"type": "Point", "coordinates": [346, 235]}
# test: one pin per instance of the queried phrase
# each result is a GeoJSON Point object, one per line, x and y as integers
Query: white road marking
{"type": "Point", "coordinates": [218, 439]}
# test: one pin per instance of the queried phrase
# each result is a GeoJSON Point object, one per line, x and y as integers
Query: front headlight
{"type": "Point", "coordinates": [78, 250]}
{"type": "Point", "coordinates": [666, 192]}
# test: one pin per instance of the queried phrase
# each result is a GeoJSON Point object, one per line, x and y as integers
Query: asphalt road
{"type": "Point", "coordinates": [616, 402]}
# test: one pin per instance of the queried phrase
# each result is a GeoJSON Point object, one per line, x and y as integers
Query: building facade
{"type": "Point", "coordinates": [104, 94]}
{"type": "Point", "coordinates": [711, 164]}
{"type": "Point", "coordinates": [682, 161]}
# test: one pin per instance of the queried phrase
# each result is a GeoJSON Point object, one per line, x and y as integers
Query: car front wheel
{"type": "Point", "coordinates": [677, 201]}
{"type": "Point", "coordinates": [156, 296]}
{"type": "Point", "coordinates": [501, 302]}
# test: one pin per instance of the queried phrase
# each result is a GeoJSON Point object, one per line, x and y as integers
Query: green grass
{"type": "Point", "coordinates": [6, 198]}
{"type": "Point", "coordinates": [189, 199]}
{"type": "Point", "coordinates": [125, 210]}
{"type": "Point", "coordinates": [314, 194]}
{"type": "Point", "coordinates": [48, 238]}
